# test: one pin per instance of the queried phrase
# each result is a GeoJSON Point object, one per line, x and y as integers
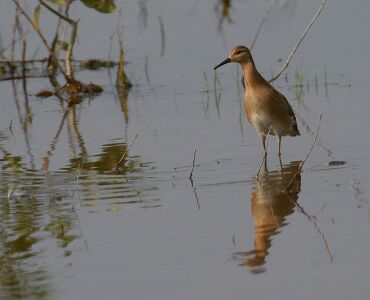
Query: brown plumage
{"type": "Point", "coordinates": [266, 109]}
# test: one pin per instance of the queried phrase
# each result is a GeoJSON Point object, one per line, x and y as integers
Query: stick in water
{"type": "Point", "coordinates": [299, 42]}
{"type": "Point", "coordinates": [125, 154]}
{"type": "Point", "coordinates": [192, 169]}
{"type": "Point", "coordinates": [308, 154]}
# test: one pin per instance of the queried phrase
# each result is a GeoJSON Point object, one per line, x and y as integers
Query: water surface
{"type": "Point", "coordinates": [71, 227]}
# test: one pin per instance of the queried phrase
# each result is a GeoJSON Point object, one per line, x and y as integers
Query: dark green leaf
{"type": "Point", "coordinates": [103, 6]}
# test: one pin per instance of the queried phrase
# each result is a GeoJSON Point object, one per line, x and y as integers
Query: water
{"type": "Point", "coordinates": [71, 227]}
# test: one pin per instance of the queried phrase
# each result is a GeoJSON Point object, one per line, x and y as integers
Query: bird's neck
{"type": "Point", "coordinates": [252, 78]}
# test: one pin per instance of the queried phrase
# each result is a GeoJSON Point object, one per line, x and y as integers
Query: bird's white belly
{"type": "Point", "coordinates": [262, 123]}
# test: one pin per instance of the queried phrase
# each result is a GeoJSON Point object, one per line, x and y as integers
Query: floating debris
{"type": "Point", "coordinates": [92, 89]}
{"type": "Point", "coordinates": [44, 94]}
{"type": "Point", "coordinates": [336, 163]}
{"type": "Point", "coordinates": [95, 64]}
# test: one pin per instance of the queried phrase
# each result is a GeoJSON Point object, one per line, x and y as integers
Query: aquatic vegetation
{"type": "Point", "coordinates": [72, 88]}
{"type": "Point", "coordinates": [88, 210]}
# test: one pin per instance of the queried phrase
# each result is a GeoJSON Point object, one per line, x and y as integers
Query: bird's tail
{"type": "Point", "coordinates": [295, 131]}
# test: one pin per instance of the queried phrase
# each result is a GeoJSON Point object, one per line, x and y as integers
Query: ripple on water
{"type": "Point", "coordinates": [38, 207]}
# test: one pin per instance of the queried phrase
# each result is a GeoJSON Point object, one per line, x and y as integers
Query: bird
{"type": "Point", "coordinates": [266, 109]}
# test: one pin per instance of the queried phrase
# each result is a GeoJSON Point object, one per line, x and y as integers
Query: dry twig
{"type": "Point", "coordinates": [299, 42]}
{"type": "Point", "coordinates": [192, 169]}
{"type": "Point", "coordinates": [43, 39]}
{"type": "Point", "coordinates": [125, 154]}
{"type": "Point", "coordinates": [261, 24]}
{"type": "Point", "coordinates": [73, 23]}
{"type": "Point", "coordinates": [308, 154]}
{"type": "Point", "coordinates": [191, 178]}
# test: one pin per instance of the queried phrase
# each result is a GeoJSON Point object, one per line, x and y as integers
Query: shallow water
{"type": "Point", "coordinates": [71, 227]}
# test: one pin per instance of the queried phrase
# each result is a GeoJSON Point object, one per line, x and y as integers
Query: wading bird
{"type": "Point", "coordinates": [266, 109]}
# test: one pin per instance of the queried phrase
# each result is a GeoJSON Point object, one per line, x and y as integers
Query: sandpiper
{"type": "Point", "coordinates": [266, 109]}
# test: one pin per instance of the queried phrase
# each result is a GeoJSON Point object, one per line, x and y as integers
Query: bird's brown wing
{"type": "Point", "coordinates": [290, 112]}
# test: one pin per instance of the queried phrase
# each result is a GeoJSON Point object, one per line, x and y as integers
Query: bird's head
{"type": "Point", "coordinates": [239, 54]}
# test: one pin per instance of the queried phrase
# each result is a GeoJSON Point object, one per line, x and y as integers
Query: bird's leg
{"type": "Point", "coordinates": [281, 164]}
{"type": "Point", "coordinates": [264, 163]}
{"type": "Point", "coordinates": [279, 153]}
{"type": "Point", "coordinates": [264, 160]}
{"type": "Point", "coordinates": [263, 137]}
{"type": "Point", "coordinates": [279, 142]}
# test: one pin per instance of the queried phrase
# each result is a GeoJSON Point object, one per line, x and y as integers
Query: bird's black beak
{"type": "Point", "coordinates": [226, 61]}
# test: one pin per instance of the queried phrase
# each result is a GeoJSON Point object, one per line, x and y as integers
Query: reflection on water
{"type": "Point", "coordinates": [106, 161]}
{"type": "Point", "coordinates": [270, 205]}
{"type": "Point", "coordinates": [29, 214]}
{"type": "Point", "coordinates": [65, 212]}
{"type": "Point", "coordinates": [38, 207]}
{"type": "Point", "coordinates": [222, 9]}
{"type": "Point", "coordinates": [98, 181]}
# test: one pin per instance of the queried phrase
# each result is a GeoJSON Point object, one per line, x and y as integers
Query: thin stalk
{"type": "Point", "coordinates": [299, 42]}
{"type": "Point", "coordinates": [42, 39]}
{"type": "Point", "coordinates": [308, 154]}
{"type": "Point", "coordinates": [125, 154]}
{"type": "Point", "coordinates": [72, 42]}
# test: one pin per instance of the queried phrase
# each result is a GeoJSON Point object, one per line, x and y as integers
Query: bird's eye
{"type": "Point", "coordinates": [238, 52]}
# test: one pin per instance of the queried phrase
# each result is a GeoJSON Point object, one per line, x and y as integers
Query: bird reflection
{"type": "Point", "coordinates": [270, 205]}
